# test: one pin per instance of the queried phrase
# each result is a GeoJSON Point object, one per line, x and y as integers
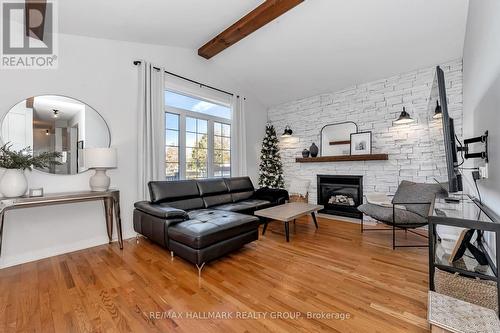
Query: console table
{"type": "Point", "coordinates": [111, 199]}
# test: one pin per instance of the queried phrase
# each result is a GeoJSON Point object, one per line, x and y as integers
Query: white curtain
{"type": "Point", "coordinates": [150, 127]}
{"type": "Point", "coordinates": [239, 137]}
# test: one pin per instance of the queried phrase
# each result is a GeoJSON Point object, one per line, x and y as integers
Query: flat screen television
{"type": "Point", "coordinates": [454, 176]}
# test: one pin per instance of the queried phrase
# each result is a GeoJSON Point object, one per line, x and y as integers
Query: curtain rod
{"type": "Point", "coordinates": [138, 62]}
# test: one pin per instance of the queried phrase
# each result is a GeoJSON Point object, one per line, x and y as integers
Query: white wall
{"type": "Point", "coordinates": [17, 126]}
{"type": "Point", "coordinates": [96, 133]}
{"type": "Point", "coordinates": [416, 151]}
{"type": "Point", "coordinates": [100, 73]}
{"type": "Point", "coordinates": [76, 132]}
{"type": "Point", "coordinates": [482, 88]}
{"type": "Point", "coordinates": [79, 121]}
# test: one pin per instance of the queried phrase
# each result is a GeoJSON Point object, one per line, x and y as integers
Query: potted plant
{"type": "Point", "coordinates": [13, 182]}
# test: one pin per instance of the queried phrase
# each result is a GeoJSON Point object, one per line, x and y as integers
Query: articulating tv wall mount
{"type": "Point", "coordinates": [480, 139]}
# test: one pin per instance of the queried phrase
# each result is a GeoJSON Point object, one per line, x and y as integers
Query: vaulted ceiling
{"type": "Point", "coordinates": [318, 46]}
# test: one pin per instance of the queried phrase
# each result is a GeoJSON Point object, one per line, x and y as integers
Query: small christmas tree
{"type": "Point", "coordinates": [271, 171]}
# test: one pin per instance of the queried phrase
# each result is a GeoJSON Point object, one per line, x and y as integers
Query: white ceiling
{"type": "Point", "coordinates": [319, 46]}
{"type": "Point", "coordinates": [182, 23]}
{"type": "Point", "coordinates": [45, 105]}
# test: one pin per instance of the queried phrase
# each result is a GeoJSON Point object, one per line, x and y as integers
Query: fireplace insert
{"type": "Point", "coordinates": [340, 195]}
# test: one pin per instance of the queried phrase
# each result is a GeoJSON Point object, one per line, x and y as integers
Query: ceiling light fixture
{"type": "Point", "coordinates": [287, 132]}
{"type": "Point", "coordinates": [56, 113]}
{"type": "Point", "coordinates": [404, 118]}
{"type": "Point", "coordinates": [438, 113]}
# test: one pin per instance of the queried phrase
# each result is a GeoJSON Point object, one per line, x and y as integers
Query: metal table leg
{"type": "Point", "coordinates": [2, 218]}
{"type": "Point", "coordinates": [108, 211]}
{"type": "Point", "coordinates": [116, 204]}
{"type": "Point", "coordinates": [266, 221]}
{"type": "Point", "coordinates": [313, 214]}
{"type": "Point", "coordinates": [287, 231]}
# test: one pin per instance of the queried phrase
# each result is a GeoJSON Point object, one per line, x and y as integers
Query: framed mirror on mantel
{"type": "Point", "coordinates": [52, 123]}
{"type": "Point", "coordinates": [336, 145]}
{"type": "Point", "coordinates": [336, 138]}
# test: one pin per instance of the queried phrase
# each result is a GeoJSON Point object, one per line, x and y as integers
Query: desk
{"type": "Point", "coordinates": [111, 199]}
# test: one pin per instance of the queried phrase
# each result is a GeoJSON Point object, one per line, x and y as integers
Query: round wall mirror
{"type": "Point", "coordinates": [52, 123]}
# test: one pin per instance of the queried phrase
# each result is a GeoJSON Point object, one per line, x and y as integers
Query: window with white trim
{"type": "Point", "coordinates": [197, 137]}
{"type": "Point", "coordinates": [222, 150]}
{"type": "Point", "coordinates": [172, 131]}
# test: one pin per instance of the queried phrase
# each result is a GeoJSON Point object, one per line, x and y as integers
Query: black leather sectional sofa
{"type": "Point", "coordinates": [202, 220]}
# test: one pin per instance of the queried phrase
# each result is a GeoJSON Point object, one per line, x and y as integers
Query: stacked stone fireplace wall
{"type": "Point", "coordinates": [416, 151]}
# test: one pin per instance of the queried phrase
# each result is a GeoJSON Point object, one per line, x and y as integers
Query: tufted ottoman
{"type": "Point", "coordinates": [209, 234]}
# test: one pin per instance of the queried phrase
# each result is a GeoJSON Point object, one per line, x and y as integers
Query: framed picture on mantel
{"type": "Point", "coordinates": [361, 143]}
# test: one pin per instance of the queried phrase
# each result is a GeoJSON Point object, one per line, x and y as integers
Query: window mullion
{"type": "Point", "coordinates": [210, 153]}
{"type": "Point", "coordinates": [182, 146]}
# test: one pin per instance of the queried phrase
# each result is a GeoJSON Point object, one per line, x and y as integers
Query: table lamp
{"type": "Point", "coordinates": [99, 159]}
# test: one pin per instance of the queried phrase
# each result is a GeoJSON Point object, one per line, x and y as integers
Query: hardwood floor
{"type": "Point", "coordinates": [334, 269]}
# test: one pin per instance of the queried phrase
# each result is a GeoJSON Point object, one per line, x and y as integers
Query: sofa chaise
{"type": "Point", "coordinates": [202, 220]}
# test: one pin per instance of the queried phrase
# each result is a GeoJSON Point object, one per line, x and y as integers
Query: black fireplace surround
{"type": "Point", "coordinates": [340, 195]}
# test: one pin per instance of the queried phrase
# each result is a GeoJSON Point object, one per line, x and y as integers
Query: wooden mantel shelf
{"type": "Point", "coordinates": [343, 158]}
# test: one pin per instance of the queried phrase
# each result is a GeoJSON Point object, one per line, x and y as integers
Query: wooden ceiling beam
{"type": "Point", "coordinates": [35, 18]}
{"type": "Point", "coordinates": [257, 18]}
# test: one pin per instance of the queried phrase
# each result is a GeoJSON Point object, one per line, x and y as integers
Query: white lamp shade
{"type": "Point", "coordinates": [100, 158]}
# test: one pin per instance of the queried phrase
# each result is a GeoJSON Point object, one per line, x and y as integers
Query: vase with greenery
{"type": "Point", "coordinates": [13, 182]}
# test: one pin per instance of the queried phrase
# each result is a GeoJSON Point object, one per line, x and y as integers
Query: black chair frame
{"type": "Point", "coordinates": [396, 226]}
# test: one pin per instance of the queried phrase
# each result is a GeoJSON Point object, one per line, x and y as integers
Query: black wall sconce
{"type": "Point", "coordinates": [438, 113]}
{"type": "Point", "coordinates": [287, 132]}
{"type": "Point", "coordinates": [404, 118]}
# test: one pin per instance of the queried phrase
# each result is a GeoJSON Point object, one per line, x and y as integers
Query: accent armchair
{"type": "Point", "coordinates": [408, 210]}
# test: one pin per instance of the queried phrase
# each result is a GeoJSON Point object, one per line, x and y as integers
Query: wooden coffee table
{"type": "Point", "coordinates": [288, 212]}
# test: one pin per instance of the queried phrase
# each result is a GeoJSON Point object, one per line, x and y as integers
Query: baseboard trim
{"type": "Point", "coordinates": [57, 250]}
{"type": "Point", "coordinates": [346, 219]}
